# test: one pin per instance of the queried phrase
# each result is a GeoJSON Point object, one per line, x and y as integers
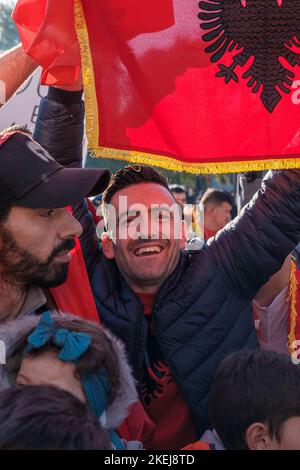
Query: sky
{"type": "Point", "coordinates": [9, 1]}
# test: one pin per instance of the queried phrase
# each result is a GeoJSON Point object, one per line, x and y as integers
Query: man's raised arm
{"type": "Point", "coordinates": [254, 246]}
{"type": "Point", "coordinates": [15, 68]}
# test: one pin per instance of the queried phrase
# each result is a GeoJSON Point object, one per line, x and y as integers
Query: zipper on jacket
{"type": "Point", "coordinates": [137, 352]}
{"type": "Point", "coordinates": [174, 375]}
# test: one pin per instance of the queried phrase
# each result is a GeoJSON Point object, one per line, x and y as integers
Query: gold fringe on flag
{"type": "Point", "coordinates": [91, 112]}
{"type": "Point", "coordinates": [293, 308]}
{"type": "Point", "coordinates": [205, 168]}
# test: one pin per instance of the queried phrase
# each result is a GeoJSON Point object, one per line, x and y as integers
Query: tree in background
{"type": "Point", "coordinates": [9, 36]}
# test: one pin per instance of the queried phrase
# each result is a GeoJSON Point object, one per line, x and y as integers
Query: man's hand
{"type": "Point", "coordinates": [15, 68]}
{"type": "Point", "coordinates": [275, 285]}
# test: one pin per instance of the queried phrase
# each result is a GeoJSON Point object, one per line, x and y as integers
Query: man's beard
{"type": "Point", "coordinates": [18, 267]}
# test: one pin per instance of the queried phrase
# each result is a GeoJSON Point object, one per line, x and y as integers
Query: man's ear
{"type": "Point", "coordinates": [257, 437]}
{"type": "Point", "coordinates": [212, 210]}
{"type": "Point", "coordinates": [107, 246]}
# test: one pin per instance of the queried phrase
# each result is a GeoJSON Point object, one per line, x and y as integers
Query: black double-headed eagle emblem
{"type": "Point", "coordinates": [261, 34]}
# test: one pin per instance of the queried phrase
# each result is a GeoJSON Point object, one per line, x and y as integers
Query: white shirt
{"type": "Point", "coordinates": [272, 323]}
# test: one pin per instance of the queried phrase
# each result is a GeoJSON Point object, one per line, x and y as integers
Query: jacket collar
{"type": "Point", "coordinates": [35, 299]}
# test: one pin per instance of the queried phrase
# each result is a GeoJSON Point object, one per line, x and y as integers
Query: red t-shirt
{"type": "Point", "coordinates": [208, 233]}
{"type": "Point", "coordinates": [161, 397]}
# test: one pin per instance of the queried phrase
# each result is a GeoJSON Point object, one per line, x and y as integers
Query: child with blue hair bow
{"type": "Point", "coordinates": [75, 355]}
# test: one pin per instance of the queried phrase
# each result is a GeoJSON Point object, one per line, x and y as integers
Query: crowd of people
{"type": "Point", "coordinates": [137, 342]}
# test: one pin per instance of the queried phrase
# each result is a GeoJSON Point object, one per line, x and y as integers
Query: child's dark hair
{"type": "Point", "coordinates": [215, 197]}
{"type": "Point", "coordinates": [253, 386]}
{"type": "Point", "coordinates": [46, 418]}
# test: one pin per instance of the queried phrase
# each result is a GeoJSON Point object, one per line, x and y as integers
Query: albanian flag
{"type": "Point", "coordinates": [209, 86]}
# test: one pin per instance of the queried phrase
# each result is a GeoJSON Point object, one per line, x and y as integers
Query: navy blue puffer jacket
{"type": "Point", "coordinates": [203, 311]}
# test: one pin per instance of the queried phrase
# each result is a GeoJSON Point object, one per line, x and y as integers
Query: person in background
{"type": "Point", "coordinates": [48, 418]}
{"type": "Point", "coordinates": [179, 193]}
{"type": "Point", "coordinates": [217, 211]}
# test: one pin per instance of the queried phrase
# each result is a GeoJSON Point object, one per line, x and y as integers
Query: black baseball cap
{"type": "Point", "coordinates": [30, 177]}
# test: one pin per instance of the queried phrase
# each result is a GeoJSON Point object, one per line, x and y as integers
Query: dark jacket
{"type": "Point", "coordinates": [203, 311]}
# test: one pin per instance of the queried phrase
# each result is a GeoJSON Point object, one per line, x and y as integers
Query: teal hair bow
{"type": "Point", "coordinates": [72, 344]}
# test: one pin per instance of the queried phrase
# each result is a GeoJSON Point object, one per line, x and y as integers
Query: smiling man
{"type": "Point", "coordinates": [179, 313]}
{"type": "Point", "coordinates": [37, 232]}
{"type": "Point", "coordinates": [146, 241]}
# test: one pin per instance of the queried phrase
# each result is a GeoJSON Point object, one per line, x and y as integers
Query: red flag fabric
{"type": "Point", "coordinates": [75, 294]}
{"type": "Point", "coordinates": [207, 86]}
{"type": "Point", "coordinates": [48, 35]}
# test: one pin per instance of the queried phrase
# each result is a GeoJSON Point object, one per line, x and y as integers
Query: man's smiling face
{"type": "Point", "coordinates": [150, 252]}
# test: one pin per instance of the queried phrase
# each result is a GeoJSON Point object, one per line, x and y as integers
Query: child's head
{"type": "Point", "coordinates": [43, 417]}
{"type": "Point", "coordinates": [255, 401]}
{"type": "Point", "coordinates": [77, 356]}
